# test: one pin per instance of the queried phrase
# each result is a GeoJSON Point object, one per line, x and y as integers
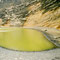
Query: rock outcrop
{"type": "Point", "coordinates": [47, 14]}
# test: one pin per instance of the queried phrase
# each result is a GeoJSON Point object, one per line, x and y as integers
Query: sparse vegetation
{"type": "Point", "coordinates": [49, 5]}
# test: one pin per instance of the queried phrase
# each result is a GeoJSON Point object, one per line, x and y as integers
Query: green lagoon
{"type": "Point", "coordinates": [24, 39]}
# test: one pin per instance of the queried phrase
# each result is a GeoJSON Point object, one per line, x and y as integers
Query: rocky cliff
{"type": "Point", "coordinates": [45, 13]}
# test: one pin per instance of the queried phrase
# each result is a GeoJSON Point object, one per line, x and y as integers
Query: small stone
{"type": "Point", "coordinates": [57, 57]}
{"type": "Point", "coordinates": [45, 30]}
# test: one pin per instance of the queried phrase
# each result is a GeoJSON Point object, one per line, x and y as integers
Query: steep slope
{"type": "Point", "coordinates": [47, 15]}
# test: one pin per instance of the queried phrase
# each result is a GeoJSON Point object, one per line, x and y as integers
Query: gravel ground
{"type": "Point", "coordinates": [6, 54]}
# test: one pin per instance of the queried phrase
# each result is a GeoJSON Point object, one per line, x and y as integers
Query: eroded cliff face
{"type": "Point", "coordinates": [37, 18]}
{"type": "Point", "coordinates": [45, 13]}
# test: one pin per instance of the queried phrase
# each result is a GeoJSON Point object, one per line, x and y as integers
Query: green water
{"type": "Point", "coordinates": [24, 39]}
